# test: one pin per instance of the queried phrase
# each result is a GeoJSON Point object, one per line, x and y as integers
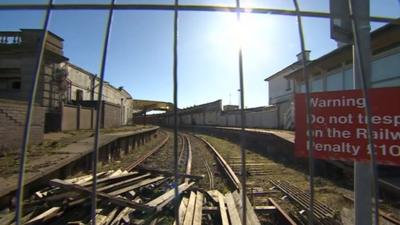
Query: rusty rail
{"type": "Point", "coordinates": [189, 157]}
{"type": "Point", "coordinates": [147, 155]}
{"type": "Point", "coordinates": [210, 174]}
{"type": "Point", "coordinates": [281, 215]}
{"type": "Point", "coordinates": [225, 166]}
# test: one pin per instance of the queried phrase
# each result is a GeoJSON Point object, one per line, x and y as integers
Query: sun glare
{"type": "Point", "coordinates": [235, 34]}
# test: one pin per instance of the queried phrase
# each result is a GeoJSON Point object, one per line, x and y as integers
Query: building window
{"type": "Point", "coordinates": [348, 79]}
{"type": "Point", "coordinates": [334, 82]}
{"type": "Point", "coordinates": [316, 85]}
{"type": "Point", "coordinates": [79, 95]}
{"type": "Point", "coordinates": [288, 85]}
{"type": "Point", "coordinates": [16, 85]}
{"type": "Point", "coordinates": [386, 68]}
{"type": "Point", "coordinates": [10, 79]}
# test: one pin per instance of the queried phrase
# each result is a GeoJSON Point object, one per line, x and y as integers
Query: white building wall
{"type": "Point", "coordinates": [82, 80]}
{"type": "Point", "coordinates": [211, 118]}
{"type": "Point", "coordinates": [79, 81]}
{"type": "Point", "coordinates": [262, 119]}
{"type": "Point", "coordinates": [385, 72]}
{"type": "Point", "coordinates": [280, 89]}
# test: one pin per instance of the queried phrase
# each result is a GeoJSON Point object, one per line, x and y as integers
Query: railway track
{"type": "Point", "coordinates": [266, 179]}
{"type": "Point", "coordinates": [141, 159]}
{"type": "Point", "coordinates": [214, 193]}
{"type": "Point", "coordinates": [199, 158]}
{"type": "Point", "coordinates": [259, 171]}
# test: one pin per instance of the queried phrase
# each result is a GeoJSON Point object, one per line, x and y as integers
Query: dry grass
{"type": "Point", "coordinates": [135, 154]}
{"type": "Point", "coordinates": [325, 191]}
{"type": "Point", "coordinates": [9, 162]}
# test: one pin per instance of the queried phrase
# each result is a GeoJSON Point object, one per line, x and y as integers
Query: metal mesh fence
{"type": "Point", "coordinates": [176, 8]}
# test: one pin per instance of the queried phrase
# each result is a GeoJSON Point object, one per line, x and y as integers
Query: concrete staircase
{"type": "Point", "coordinates": [289, 123]}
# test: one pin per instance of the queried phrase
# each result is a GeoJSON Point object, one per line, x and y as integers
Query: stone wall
{"type": "Point", "coordinates": [12, 120]}
{"type": "Point", "coordinates": [111, 115]}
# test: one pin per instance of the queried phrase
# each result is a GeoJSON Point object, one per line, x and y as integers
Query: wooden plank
{"type": "Point", "coordinates": [260, 208]}
{"type": "Point", "coordinates": [251, 213]}
{"type": "Point", "coordinates": [135, 186]}
{"type": "Point", "coordinates": [111, 215]}
{"type": "Point", "coordinates": [164, 199]}
{"type": "Point", "coordinates": [190, 209]}
{"type": "Point", "coordinates": [222, 209]}
{"type": "Point", "coordinates": [182, 210]}
{"type": "Point", "coordinates": [75, 223]}
{"type": "Point", "coordinates": [115, 200]}
{"type": "Point", "coordinates": [88, 178]}
{"type": "Point", "coordinates": [198, 210]}
{"type": "Point", "coordinates": [189, 159]}
{"type": "Point", "coordinates": [123, 183]}
{"type": "Point", "coordinates": [232, 211]}
{"type": "Point", "coordinates": [116, 173]}
{"type": "Point", "coordinates": [46, 215]}
{"type": "Point", "coordinates": [100, 218]}
{"type": "Point", "coordinates": [251, 216]}
{"type": "Point", "coordinates": [109, 179]}
{"type": "Point", "coordinates": [104, 216]}
{"type": "Point", "coordinates": [7, 219]}
{"type": "Point", "coordinates": [24, 218]}
{"type": "Point", "coordinates": [83, 178]}
{"type": "Point", "coordinates": [125, 211]}
{"type": "Point", "coordinates": [214, 194]}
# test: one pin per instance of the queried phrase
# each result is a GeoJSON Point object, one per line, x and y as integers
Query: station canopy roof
{"type": "Point", "coordinates": [141, 106]}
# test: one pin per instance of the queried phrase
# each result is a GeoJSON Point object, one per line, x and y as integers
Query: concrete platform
{"type": "Point", "coordinates": [284, 134]}
{"type": "Point", "coordinates": [62, 157]}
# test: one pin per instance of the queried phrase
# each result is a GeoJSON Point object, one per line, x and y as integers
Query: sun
{"type": "Point", "coordinates": [238, 34]}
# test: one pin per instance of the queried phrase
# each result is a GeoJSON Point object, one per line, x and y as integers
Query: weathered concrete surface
{"type": "Point", "coordinates": [211, 114]}
{"type": "Point", "coordinates": [275, 144]}
{"type": "Point", "coordinates": [284, 134]}
{"type": "Point", "coordinates": [62, 157]}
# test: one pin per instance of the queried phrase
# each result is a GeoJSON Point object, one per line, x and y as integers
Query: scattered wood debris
{"type": "Point", "coordinates": [136, 197]}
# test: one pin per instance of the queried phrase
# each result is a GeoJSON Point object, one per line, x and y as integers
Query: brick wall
{"type": "Point", "coordinates": [12, 120]}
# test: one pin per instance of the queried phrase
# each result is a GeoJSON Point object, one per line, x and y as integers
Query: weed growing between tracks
{"type": "Point", "coordinates": [261, 169]}
{"type": "Point", "coordinates": [135, 153]}
{"type": "Point", "coordinates": [164, 158]}
{"type": "Point", "coordinates": [37, 154]}
{"type": "Point", "coordinates": [202, 154]}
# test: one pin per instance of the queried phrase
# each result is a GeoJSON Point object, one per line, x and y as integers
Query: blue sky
{"type": "Point", "coordinates": [140, 53]}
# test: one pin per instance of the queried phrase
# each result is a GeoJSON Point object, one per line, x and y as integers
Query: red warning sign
{"type": "Point", "coordinates": [339, 127]}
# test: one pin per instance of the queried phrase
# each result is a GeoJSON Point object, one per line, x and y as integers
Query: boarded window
{"type": "Point", "coordinates": [10, 79]}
